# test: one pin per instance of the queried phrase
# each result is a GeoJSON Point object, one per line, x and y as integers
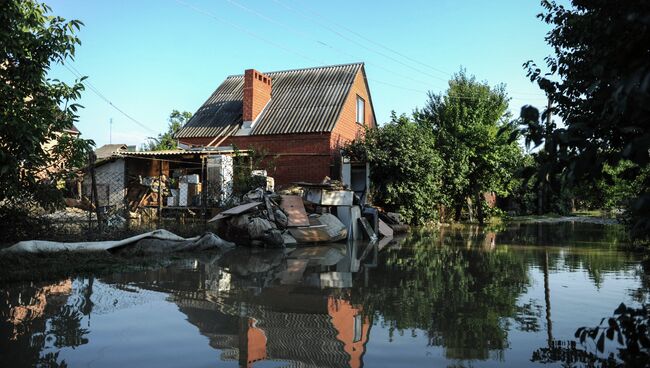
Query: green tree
{"type": "Point", "coordinates": [35, 111]}
{"type": "Point", "coordinates": [166, 140]}
{"type": "Point", "coordinates": [405, 168]}
{"type": "Point", "coordinates": [598, 82]}
{"type": "Point", "coordinates": [465, 122]}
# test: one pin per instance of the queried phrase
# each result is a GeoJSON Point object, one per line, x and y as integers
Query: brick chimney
{"type": "Point", "coordinates": [257, 93]}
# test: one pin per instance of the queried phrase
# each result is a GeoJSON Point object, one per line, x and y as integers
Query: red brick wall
{"type": "Point", "coordinates": [291, 157]}
{"type": "Point", "coordinates": [347, 128]}
{"type": "Point", "coordinates": [257, 92]}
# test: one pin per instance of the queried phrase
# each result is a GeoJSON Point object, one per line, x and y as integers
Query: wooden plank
{"type": "Point", "coordinates": [295, 210]}
{"type": "Point", "coordinates": [237, 210]}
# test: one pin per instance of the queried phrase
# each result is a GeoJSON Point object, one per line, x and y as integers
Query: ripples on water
{"type": "Point", "coordinates": [462, 296]}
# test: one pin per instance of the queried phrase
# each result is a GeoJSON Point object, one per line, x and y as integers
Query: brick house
{"type": "Point", "coordinates": [298, 117]}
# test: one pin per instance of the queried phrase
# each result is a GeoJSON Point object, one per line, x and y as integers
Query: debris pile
{"type": "Point", "coordinates": [305, 214]}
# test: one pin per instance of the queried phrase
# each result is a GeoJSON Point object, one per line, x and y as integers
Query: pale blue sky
{"type": "Point", "coordinates": [150, 57]}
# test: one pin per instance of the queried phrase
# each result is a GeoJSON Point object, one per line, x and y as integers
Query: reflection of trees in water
{"type": "Point", "coordinates": [461, 296]}
{"type": "Point", "coordinates": [563, 233]}
{"type": "Point", "coordinates": [50, 360]}
{"type": "Point", "coordinates": [65, 328]}
{"type": "Point", "coordinates": [570, 354]}
{"type": "Point", "coordinates": [595, 248]}
{"type": "Point", "coordinates": [462, 289]}
{"type": "Point", "coordinates": [627, 333]}
{"type": "Point", "coordinates": [36, 318]}
{"type": "Point", "coordinates": [528, 316]}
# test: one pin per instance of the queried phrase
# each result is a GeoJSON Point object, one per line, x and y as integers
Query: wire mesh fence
{"type": "Point", "coordinates": [119, 196]}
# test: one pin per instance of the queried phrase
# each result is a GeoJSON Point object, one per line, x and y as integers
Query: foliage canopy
{"type": "Point", "coordinates": [599, 84]}
{"type": "Point", "coordinates": [35, 111]}
{"type": "Point", "coordinates": [465, 123]}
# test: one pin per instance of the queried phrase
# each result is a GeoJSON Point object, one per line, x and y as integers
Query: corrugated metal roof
{"type": "Point", "coordinates": [108, 150]}
{"type": "Point", "coordinates": [218, 151]}
{"type": "Point", "coordinates": [302, 101]}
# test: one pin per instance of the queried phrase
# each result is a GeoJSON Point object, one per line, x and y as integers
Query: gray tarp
{"type": "Point", "coordinates": [158, 241]}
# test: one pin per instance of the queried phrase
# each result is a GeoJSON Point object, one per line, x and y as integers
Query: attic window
{"type": "Point", "coordinates": [361, 110]}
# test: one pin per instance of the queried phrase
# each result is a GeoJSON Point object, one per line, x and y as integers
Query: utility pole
{"type": "Point", "coordinates": [110, 131]}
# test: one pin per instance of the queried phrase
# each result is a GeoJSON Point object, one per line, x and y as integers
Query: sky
{"type": "Point", "coordinates": [146, 58]}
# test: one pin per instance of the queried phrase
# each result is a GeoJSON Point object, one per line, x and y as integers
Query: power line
{"type": "Point", "coordinates": [288, 49]}
{"type": "Point", "coordinates": [255, 35]}
{"type": "Point", "coordinates": [356, 42]}
{"type": "Point", "coordinates": [381, 45]}
{"type": "Point", "coordinates": [304, 35]}
{"type": "Point", "coordinates": [307, 36]}
{"type": "Point", "coordinates": [250, 33]}
{"type": "Point", "coordinates": [339, 25]}
{"type": "Point", "coordinates": [78, 74]}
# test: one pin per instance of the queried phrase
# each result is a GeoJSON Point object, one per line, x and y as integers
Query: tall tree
{"type": "Point", "coordinates": [465, 122]}
{"type": "Point", "coordinates": [599, 84]}
{"type": "Point", "coordinates": [35, 111]}
{"type": "Point", "coordinates": [166, 140]}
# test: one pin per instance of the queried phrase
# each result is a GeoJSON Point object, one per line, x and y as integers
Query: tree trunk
{"type": "Point", "coordinates": [470, 209]}
{"type": "Point", "coordinates": [479, 209]}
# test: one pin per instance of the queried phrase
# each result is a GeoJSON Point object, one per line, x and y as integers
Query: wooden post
{"type": "Point", "coordinates": [93, 189]}
{"type": "Point", "coordinates": [160, 169]}
{"type": "Point", "coordinates": [204, 191]}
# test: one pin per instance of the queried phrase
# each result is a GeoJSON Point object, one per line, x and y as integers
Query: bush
{"type": "Point", "coordinates": [404, 168]}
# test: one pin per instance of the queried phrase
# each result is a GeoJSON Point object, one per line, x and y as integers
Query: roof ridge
{"type": "Point", "coordinates": [360, 63]}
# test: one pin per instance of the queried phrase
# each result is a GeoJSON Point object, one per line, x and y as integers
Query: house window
{"type": "Point", "coordinates": [358, 328]}
{"type": "Point", "coordinates": [361, 110]}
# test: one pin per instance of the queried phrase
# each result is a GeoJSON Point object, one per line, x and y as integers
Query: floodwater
{"type": "Point", "coordinates": [460, 297]}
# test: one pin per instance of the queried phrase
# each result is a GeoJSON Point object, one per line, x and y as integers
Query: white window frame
{"type": "Point", "coordinates": [361, 114]}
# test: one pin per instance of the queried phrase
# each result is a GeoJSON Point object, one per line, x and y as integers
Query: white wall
{"type": "Point", "coordinates": [110, 184]}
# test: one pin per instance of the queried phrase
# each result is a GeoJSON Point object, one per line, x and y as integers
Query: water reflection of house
{"type": "Point", "coordinates": [305, 326]}
{"type": "Point", "coordinates": [316, 331]}
{"type": "Point", "coordinates": [34, 308]}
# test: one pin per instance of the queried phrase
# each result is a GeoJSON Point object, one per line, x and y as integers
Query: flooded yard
{"type": "Point", "coordinates": [461, 296]}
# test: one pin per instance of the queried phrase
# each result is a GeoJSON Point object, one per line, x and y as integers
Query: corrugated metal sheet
{"type": "Point", "coordinates": [219, 151]}
{"type": "Point", "coordinates": [109, 150]}
{"type": "Point", "coordinates": [302, 101]}
{"type": "Point", "coordinates": [220, 114]}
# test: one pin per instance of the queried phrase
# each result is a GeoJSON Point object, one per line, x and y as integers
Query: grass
{"type": "Point", "coordinates": [52, 266]}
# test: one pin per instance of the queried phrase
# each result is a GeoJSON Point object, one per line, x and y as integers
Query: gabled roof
{"type": "Point", "coordinates": [302, 101]}
{"type": "Point", "coordinates": [107, 150]}
{"type": "Point", "coordinates": [72, 130]}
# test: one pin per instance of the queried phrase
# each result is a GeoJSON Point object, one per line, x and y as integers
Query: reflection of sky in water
{"type": "Point", "coordinates": [150, 332]}
{"type": "Point", "coordinates": [416, 308]}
